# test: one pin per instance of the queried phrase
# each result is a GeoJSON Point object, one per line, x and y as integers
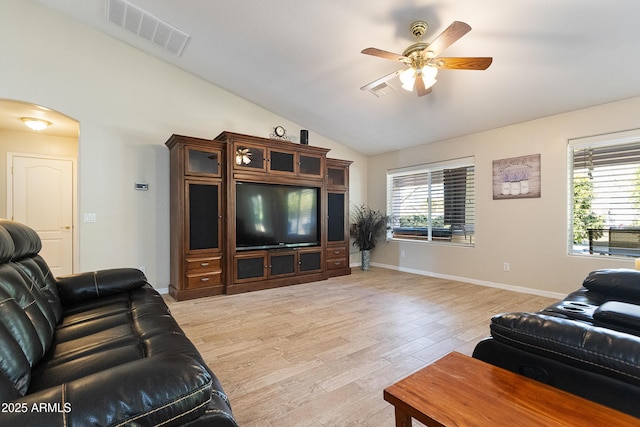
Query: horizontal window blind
{"type": "Point", "coordinates": [605, 195]}
{"type": "Point", "coordinates": [433, 202]}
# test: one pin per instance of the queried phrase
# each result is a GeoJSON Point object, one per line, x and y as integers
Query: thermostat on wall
{"type": "Point", "coordinates": [142, 186]}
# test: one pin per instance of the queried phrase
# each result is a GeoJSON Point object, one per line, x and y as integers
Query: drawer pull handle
{"type": "Point", "coordinates": [204, 264]}
{"type": "Point", "coordinates": [204, 279]}
{"type": "Point", "coordinates": [336, 252]}
{"type": "Point", "coordinates": [337, 263]}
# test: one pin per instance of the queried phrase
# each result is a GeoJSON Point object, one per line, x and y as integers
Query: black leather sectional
{"type": "Point", "coordinates": [587, 344]}
{"type": "Point", "coordinates": [94, 349]}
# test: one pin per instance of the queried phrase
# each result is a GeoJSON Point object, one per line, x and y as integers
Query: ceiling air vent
{"type": "Point", "coordinates": [144, 24]}
{"type": "Point", "coordinates": [382, 89]}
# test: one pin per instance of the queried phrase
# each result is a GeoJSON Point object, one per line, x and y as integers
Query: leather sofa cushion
{"type": "Point", "coordinates": [572, 342]}
{"type": "Point", "coordinates": [170, 389]}
{"type": "Point", "coordinates": [100, 334]}
{"type": "Point", "coordinates": [83, 286]}
{"type": "Point", "coordinates": [124, 348]}
{"type": "Point", "coordinates": [6, 246]}
{"type": "Point", "coordinates": [620, 283]}
{"type": "Point", "coordinates": [26, 330]}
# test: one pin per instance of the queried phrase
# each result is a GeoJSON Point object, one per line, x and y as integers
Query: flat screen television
{"type": "Point", "coordinates": [275, 216]}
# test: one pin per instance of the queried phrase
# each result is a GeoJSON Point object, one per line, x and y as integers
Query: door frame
{"type": "Point", "coordinates": [74, 195]}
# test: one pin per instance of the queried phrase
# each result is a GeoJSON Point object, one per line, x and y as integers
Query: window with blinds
{"type": "Point", "coordinates": [433, 202]}
{"type": "Point", "coordinates": [605, 190]}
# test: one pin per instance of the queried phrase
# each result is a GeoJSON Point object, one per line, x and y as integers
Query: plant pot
{"type": "Point", "coordinates": [366, 260]}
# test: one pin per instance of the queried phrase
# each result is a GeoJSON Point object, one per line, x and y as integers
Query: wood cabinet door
{"type": "Point", "coordinates": [204, 222]}
{"type": "Point", "coordinates": [310, 261]}
{"type": "Point", "coordinates": [282, 264]}
{"type": "Point", "coordinates": [250, 267]}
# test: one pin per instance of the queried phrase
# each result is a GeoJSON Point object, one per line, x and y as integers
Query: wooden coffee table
{"type": "Point", "coordinates": [458, 390]}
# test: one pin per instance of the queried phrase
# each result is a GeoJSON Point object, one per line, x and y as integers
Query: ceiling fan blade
{"type": "Point", "coordinates": [419, 86]}
{"type": "Point", "coordinates": [449, 36]}
{"type": "Point", "coordinates": [379, 81]}
{"type": "Point", "coordinates": [480, 63]}
{"type": "Point", "coordinates": [384, 54]}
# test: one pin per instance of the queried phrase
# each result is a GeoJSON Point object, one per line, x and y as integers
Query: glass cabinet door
{"type": "Point", "coordinates": [336, 177]}
{"type": "Point", "coordinates": [282, 161]}
{"type": "Point", "coordinates": [203, 162]}
{"type": "Point", "coordinates": [249, 157]}
{"type": "Point", "coordinates": [310, 165]}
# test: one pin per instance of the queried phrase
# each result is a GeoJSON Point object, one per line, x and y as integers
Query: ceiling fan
{"type": "Point", "coordinates": [423, 61]}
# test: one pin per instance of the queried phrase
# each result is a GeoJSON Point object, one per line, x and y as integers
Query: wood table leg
{"type": "Point", "coordinates": [402, 419]}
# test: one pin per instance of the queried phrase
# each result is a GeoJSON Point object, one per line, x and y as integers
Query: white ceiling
{"type": "Point", "coordinates": [12, 112]}
{"type": "Point", "coordinates": [301, 60]}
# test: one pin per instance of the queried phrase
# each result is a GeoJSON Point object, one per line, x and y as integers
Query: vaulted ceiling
{"type": "Point", "coordinates": [301, 60]}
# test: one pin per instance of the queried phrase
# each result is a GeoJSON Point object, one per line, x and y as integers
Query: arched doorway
{"type": "Point", "coordinates": [38, 178]}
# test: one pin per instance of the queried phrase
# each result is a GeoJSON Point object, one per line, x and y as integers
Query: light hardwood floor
{"type": "Point", "coordinates": [320, 354]}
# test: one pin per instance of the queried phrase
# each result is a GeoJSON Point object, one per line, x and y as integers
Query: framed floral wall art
{"type": "Point", "coordinates": [517, 177]}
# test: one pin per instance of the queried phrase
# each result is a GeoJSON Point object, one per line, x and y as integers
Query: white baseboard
{"type": "Point", "coordinates": [162, 290]}
{"type": "Point", "coordinates": [520, 289]}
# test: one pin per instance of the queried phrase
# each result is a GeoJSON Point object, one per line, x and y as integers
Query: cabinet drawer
{"type": "Point", "coordinates": [203, 280]}
{"type": "Point", "coordinates": [204, 264]}
{"type": "Point", "coordinates": [336, 252]}
{"type": "Point", "coordinates": [333, 264]}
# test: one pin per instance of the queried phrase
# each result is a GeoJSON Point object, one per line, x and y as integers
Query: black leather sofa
{"type": "Point", "coordinates": [94, 349]}
{"type": "Point", "coordinates": [587, 344]}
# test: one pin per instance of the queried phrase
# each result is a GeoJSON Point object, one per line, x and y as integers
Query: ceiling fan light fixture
{"type": "Point", "coordinates": [429, 73]}
{"type": "Point", "coordinates": [429, 76]}
{"type": "Point", "coordinates": [35, 124]}
{"type": "Point", "coordinates": [408, 77]}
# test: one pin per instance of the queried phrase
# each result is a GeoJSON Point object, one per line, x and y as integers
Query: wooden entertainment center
{"type": "Point", "coordinates": [205, 259]}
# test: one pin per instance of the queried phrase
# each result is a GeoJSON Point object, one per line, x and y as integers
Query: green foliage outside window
{"type": "Point", "coordinates": [583, 217]}
{"type": "Point", "coordinates": [417, 221]}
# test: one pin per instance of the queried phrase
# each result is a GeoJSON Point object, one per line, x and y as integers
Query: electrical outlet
{"type": "Point", "coordinates": [89, 217]}
{"type": "Point", "coordinates": [506, 266]}
{"type": "Point", "coordinates": [401, 254]}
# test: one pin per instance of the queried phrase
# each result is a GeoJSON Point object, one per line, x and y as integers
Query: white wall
{"type": "Point", "coordinates": [128, 104]}
{"type": "Point", "coordinates": [530, 234]}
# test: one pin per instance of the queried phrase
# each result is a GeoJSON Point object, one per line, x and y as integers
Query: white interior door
{"type": "Point", "coordinates": [40, 195]}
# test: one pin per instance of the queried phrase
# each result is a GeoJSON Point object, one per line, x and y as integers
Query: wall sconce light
{"type": "Point", "coordinates": [35, 124]}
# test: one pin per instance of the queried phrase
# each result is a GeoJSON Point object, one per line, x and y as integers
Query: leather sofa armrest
{"type": "Point", "coordinates": [576, 343]}
{"type": "Point", "coordinates": [621, 314]}
{"type": "Point", "coordinates": [83, 286]}
{"type": "Point", "coordinates": [173, 389]}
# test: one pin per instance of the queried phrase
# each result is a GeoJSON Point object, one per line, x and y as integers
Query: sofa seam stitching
{"type": "Point", "coordinates": [168, 404]}
{"type": "Point", "coordinates": [64, 414]}
{"type": "Point", "coordinates": [95, 283]}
